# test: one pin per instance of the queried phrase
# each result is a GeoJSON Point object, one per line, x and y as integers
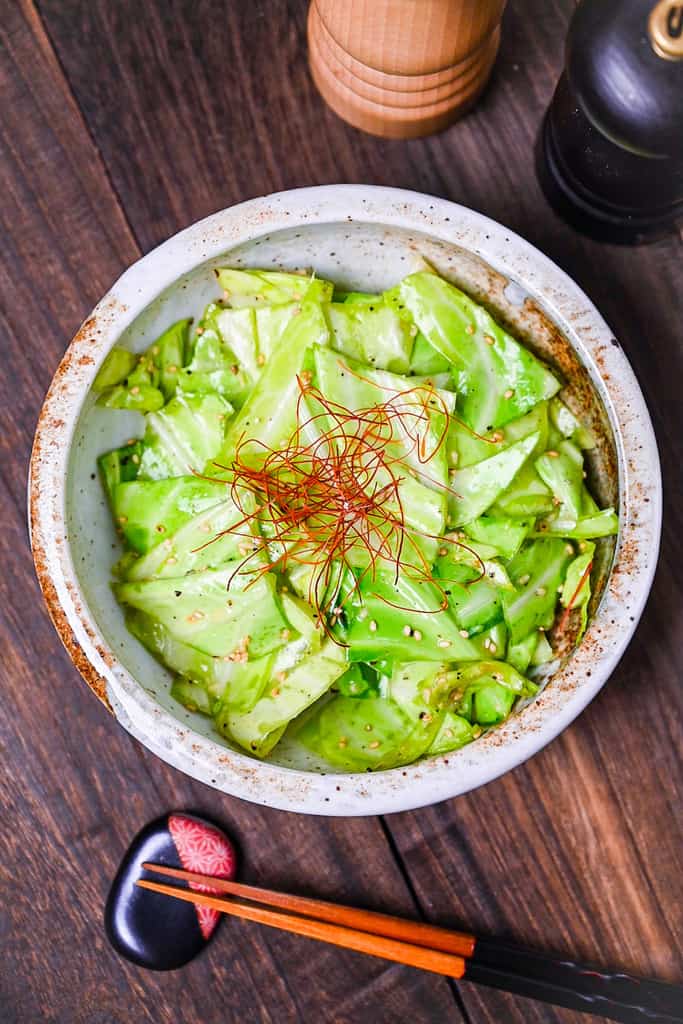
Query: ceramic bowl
{"type": "Point", "coordinates": [362, 238]}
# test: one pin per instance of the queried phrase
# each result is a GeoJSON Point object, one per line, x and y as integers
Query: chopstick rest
{"type": "Point", "coordinates": [148, 929]}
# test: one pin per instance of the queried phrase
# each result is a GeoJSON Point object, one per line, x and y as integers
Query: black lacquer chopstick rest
{"type": "Point", "coordinates": [150, 929]}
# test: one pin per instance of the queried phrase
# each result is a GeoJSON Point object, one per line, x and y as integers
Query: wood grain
{"type": "Point", "coordinates": [123, 122]}
{"type": "Point", "coordinates": [79, 787]}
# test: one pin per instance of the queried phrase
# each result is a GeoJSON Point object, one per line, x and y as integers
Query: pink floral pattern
{"type": "Point", "coordinates": [203, 848]}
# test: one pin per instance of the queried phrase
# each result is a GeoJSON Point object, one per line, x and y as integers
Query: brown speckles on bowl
{"type": "Point", "coordinates": [95, 681]}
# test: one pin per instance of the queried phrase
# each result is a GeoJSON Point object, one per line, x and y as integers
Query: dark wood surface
{"type": "Point", "coordinates": [121, 123]}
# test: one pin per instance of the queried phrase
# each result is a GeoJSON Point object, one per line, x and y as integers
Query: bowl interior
{"type": "Point", "coordinates": [362, 256]}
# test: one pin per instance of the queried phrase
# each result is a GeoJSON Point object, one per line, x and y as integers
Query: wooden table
{"type": "Point", "coordinates": [123, 122]}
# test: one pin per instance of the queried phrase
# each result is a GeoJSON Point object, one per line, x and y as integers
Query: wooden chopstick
{"type": "Point", "coordinates": [614, 995]}
{"type": "Point", "coordinates": [337, 935]}
{"type": "Point", "coordinates": [416, 933]}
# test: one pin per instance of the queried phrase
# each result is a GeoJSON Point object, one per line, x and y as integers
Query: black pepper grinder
{"type": "Point", "coordinates": [610, 153]}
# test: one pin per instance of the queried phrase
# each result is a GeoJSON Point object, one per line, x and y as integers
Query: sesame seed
{"type": "Point", "coordinates": [171, 560]}
{"type": "Point", "coordinates": [553, 454]}
{"type": "Point", "coordinates": [280, 676]}
{"type": "Point", "coordinates": [508, 394]}
{"type": "Point", "coordinates": [443, 643]}
{"type": "Point", "coordinates": [497, 435]}
{"type": "Point", "coordinates": [541, 629]}
{"type": "Point", "coordinates": [464, 634]}
{"type": "Point", "coordinates": [136, 459]}
{"type": "Point", "coordinates": [275, 692]}
{"type": "Point", "coordinates": [443, 551]}
{"type": "Point", "coordinates": [131, 440]}
{"type": "Point", "coordinates": [477, 731]}
{"type": "Point", "coordinates": [285, 634]}
{"type": "Point", "coordinates": [492, 647]}
{"type": "Point", "coordinates": [122, 519]}
{"type": "Point", "coordinates": [417, 635]}
{"type": "Point", "coordinates": [343, 741]}
{"type": "Point", "coordinates": [225, 295]}
{"type": "Point", "coordinates": [362, 614]}
{"type": "Point", "coordinates": [487, 643]}
{"type": "Point", "coordinates": [374, 745]}
{"type": "Point", "coordinates": [469, 329]}
{"type": "Point", "coordinates": [135, 390]}
{"type": "Point", "coordinates": [195, 616]}
{"type": "Point", "coordinates": [523, 580]}
{"type": "Point", "coordinates": [372, 626]}
{"type": "Point", "coordinates": [569, 549]}
{"type": "Point", "coordinates": [407, 630]}
{"type": "Point", "coordinates": [540, 591]}
{"type": "Point", "coordinates": [155, 350]}
{"type": "Point", "coordinates": [261, 359]}
{"type": "Point", "coordinates": [556, 502]}
{"type": "Point", "coordinates": [413, 330]}
{"type": "Point", "coordinates": [368, 727]}
{"type": "Point", "coordinates": [427, 695]}
{"type": "Point", "coordinates": [173, 369]}
{"type": "Point", "coordinates": [200, 330]}
{"type": "Point", "coordinates": [584, 474]}
{"type": "Point", "coordinates": [489, 340]}
{"type": "Point", "coordinates": [449, 733]}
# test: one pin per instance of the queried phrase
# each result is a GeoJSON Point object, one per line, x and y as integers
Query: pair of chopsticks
{"type": "Point", "coordinates": [614, 995]}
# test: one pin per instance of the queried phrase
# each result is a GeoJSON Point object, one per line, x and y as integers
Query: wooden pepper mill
{"type": "Point", "coordinates": [402, 68]}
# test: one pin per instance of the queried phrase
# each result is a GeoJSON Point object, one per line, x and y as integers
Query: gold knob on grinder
{"type": "Point", "coordinates": [665, 29]}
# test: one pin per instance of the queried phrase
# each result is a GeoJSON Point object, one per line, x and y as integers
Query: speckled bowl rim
{"type": "Point", "coordinates": [437, 778]}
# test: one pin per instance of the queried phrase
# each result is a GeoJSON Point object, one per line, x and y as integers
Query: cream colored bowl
{"type": "Point", "coordinates": [362, 238]}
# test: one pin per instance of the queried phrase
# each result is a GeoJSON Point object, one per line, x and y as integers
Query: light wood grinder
{"type": "Point", "coordinates": [402, 68]}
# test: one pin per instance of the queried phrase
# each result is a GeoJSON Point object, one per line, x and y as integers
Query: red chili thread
{"type": "Point", "coordinates": [336, 498]}
{"type": "Point", "coordinates": [565, 615]}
